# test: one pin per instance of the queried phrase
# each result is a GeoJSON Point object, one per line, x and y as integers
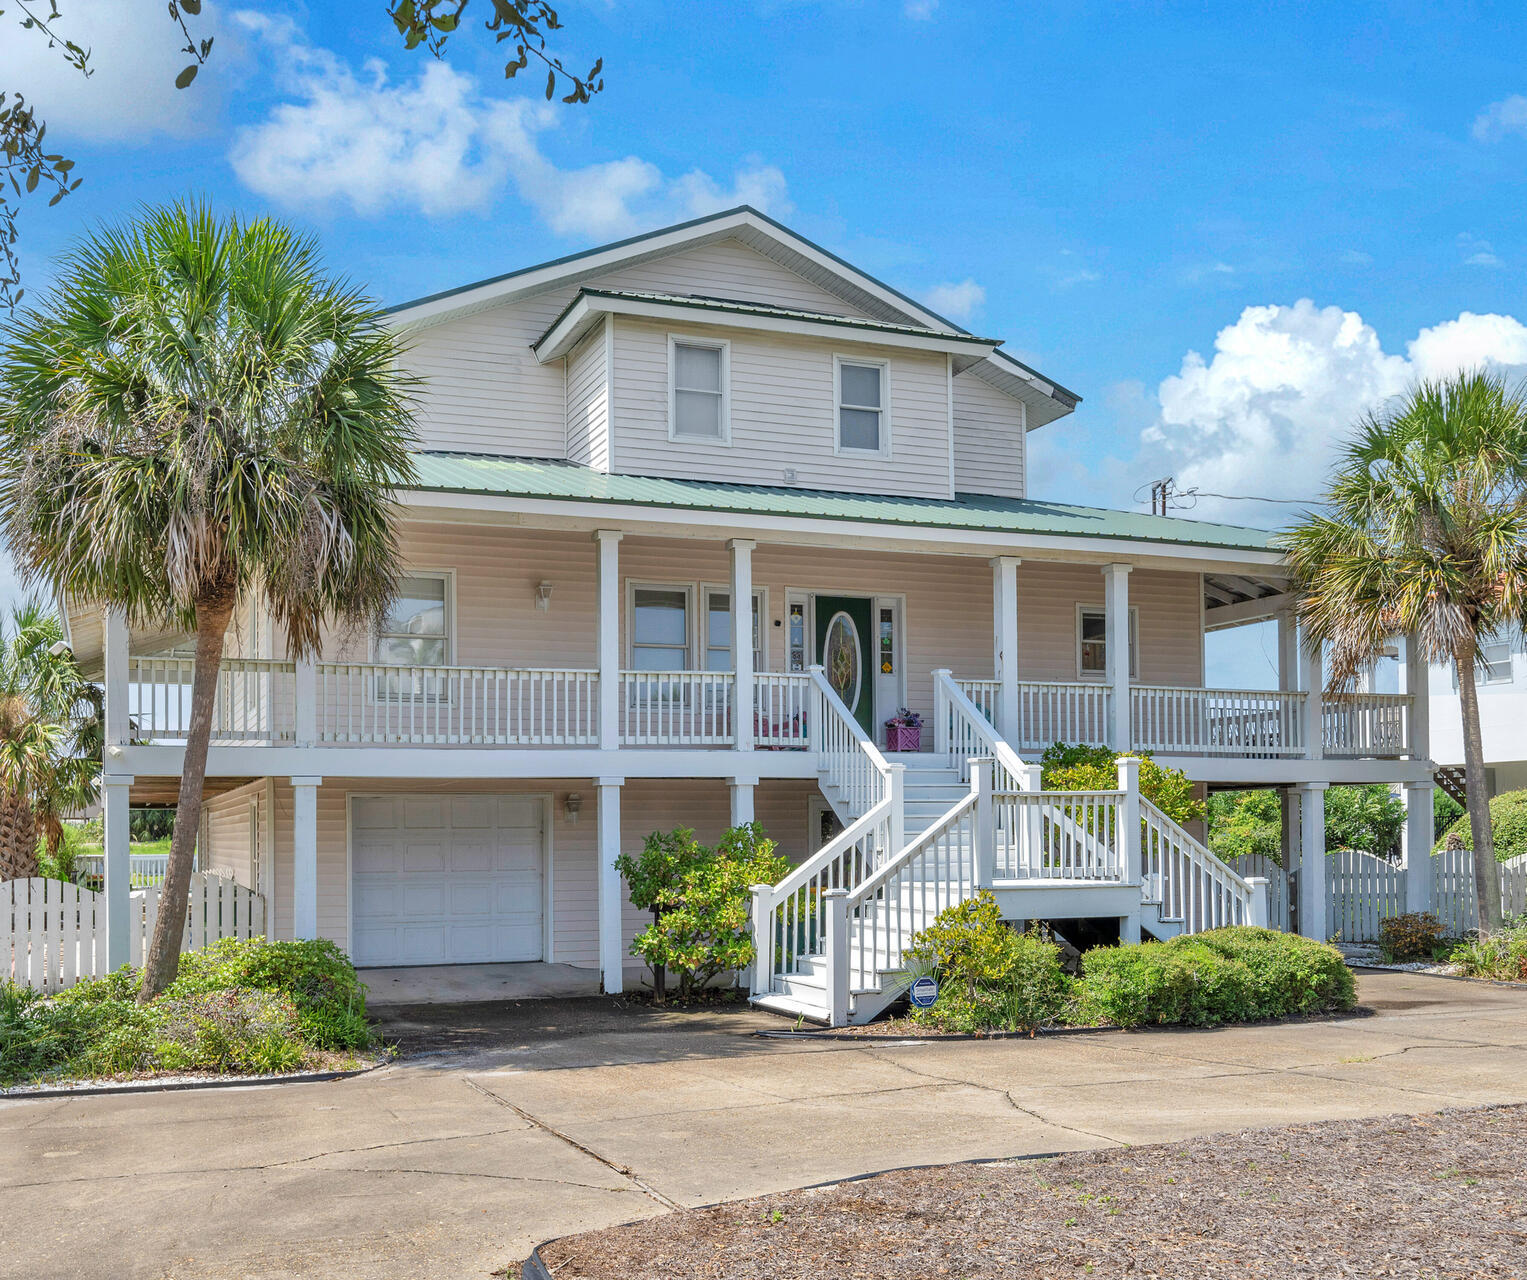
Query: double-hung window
{"type": "Point", "coordinates": [1092, 643]}
{"type": "Point", "coordinates": [659, 641]}
{"type": "Point", "coordinates": [1495, 662]}
{"type": "Point", "coordinates": [415, 634]}
{"type": "Point", "coordinates": [861, 410]}
{"type": "Point", "coordinates": [718, 630]}
{"type": "Point", "coordinates": [697, 379]}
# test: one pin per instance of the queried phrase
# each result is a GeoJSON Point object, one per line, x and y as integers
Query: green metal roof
{"type": "Point", "coordinates": [569, 482]}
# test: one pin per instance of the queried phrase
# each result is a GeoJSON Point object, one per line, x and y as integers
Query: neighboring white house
{"type": "Point", "coordinates": [632, 457]}
{"type": "Point", "coordinates": [1502, 684]}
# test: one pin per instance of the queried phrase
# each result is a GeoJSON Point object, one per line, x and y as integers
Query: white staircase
{"type": "Point", "coordinates": [930, 831]}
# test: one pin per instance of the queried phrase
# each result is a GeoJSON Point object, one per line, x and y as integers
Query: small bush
{"type": "Point", "coordinates": [1077, 767]}
{"type": "Point", "coordinates": [1508, 824]}
{"type": "Point", "coordinates": [1413, 936]}
{"type": "Point", "coordinates": [1501, 956]}
{"type": "Point", "coordinates": [1226, 975]}
{"type": "Point", "coordinates": [991, 977]}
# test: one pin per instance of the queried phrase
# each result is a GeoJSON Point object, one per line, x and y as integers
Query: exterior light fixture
{"type": "Point", "coordinates": [543, 596]}
{"type": "Point", "coordinates": [571, 805]}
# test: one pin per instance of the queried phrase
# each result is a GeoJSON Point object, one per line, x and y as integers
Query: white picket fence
{"type": "Point", "coordinates": [1362, 891]}
{"type": "Point", "coordinates": [1453, 889]}
{"type": "Point", "coordinates": [1280, 897]}
{"type": "Point", "coordinates": [52, 934]}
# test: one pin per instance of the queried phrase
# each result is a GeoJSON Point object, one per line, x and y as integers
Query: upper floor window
{"type": "Point", "coordinates": [1092, 643]}
{"type": "Point", "coordinates": [660, 628]}
{"type": "Point", "coordinates": [718, 630]}
{"type": "Point", "coordinates": [697, 378]}
{"type": "Point", "coordinates": [416, 631]}
{"type": "Point", "coordinates": [863, 425]}
{"type": "Point", "coordinates": [1495, 662]}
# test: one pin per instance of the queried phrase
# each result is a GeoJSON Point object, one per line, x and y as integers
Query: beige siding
{"type": "Point", "coordinates": [1170, 638]}
{"type": "Point", "coordinates": [988, 439]}
{"type": "Point", "coordinates": [782, 411]}
{"type": "Point", "coordinates": [588, 402]}
{"type": "Point", "coordinates": [485, 392]}
{"type": "Point", "coordinates": [227, 830]}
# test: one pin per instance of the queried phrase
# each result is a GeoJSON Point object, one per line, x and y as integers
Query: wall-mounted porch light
{"type": "Point", "coordinates": [571, 805]}
{"type": "Point", "coordinates": [543, 596]}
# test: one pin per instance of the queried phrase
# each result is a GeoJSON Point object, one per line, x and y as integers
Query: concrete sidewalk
{"type": "Point", "coordinates": [543, 1118]}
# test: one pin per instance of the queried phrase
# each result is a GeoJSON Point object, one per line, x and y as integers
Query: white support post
{"type": "Point", "coordinates": [816, 712]}
{"type": "Point", "coordinates": [116, 792]}
{"type": "Point", "coordinates": [1314, 891]}
{"type": "Point", "coordinates": [1416, 844]}
{"type": "Point", "coordinates": [305, 857]}
{"type": "Point", "coordinates": [611, 933]}
{"type": "Point", "coordinates": [986, 822]}
{"type": "Point", "coordinates": [762, 979]}
{"type": "Point", "coordinates": [1116, 606]}
{"type": "Point", "coordinates": [742, 641]}
{"type": "Point", "coordinates": [114, 642]}
{"type": "Point", "coordinates": [1311, 681]}
{"type": "Point", "coordinates": [1131, 866]}
{"type": "Point", "coordinates": [941, 743]}
{"type": "Point", "coordinates": [1260, 912]}
{"type": "Point", "coordinates": [305, 690]}
{"type": "Point", "coordinates": [1032, 853]}
{"type": "Point", "coordinates": [898, 794]}
{"type": "Point", "coordinates": [742, 799]}
{"type": "Point", "coordinates": [1005, 642]}
{"type": "Point", "coordinates": [608, 543]}
{"type": "Point", "coordinates": [1418, 685]}
{"type": "Point", "coordinates": [836, 902]}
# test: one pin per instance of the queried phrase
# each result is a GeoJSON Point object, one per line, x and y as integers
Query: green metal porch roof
{"type": "Point", "coordinates": [560, 480]}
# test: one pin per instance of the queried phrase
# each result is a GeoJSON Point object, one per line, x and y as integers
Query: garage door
{"type": "Point", "coordinates": [446, 879]}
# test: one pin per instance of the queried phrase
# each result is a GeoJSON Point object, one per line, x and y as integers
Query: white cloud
{"type": "Point", "coordinates": [1499, 119]}
{"type": "Point", "coordinates": [1284, 385]}
{"type": "Point", "coordinates": [958, 301]}
{"type": "Point", "coordinates": [437, 144]}
{"type": "Point", "coordinates": [1356, 258]}
{"type": "Point", "coordinates": [135, 55]}
{"type": "Point", "coordinates": [1477, 252]}
{"type": "Point", "coordinates": [920, 10]}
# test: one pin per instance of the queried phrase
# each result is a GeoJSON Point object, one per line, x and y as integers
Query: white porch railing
{"type": "Point", "coordinates": [1366, 724]}
{"type": "Point", "coordinates": [782, 703]}
{"type": "Point", "coordinates": [144, 869]}
{"type": "Point", "coordinates": [1187, 881]}
{"type": "Point", "coordinates": [370, 703]}
{"type": "Point", "coordinates": [676, 708]}
{"type": "Point", "coordinates": [1215, 722]}
{"type": "Point", "coordinates": [253, 702]}
{"type": "Point", "coordinates": [963, 728]}
{"type": "Point", "coordinates": [846, 758]}
{"type": "Point", "coordinates": [1058, 835]}
{"type": "Point", "coordinates": [1061, 711]}
{"type": "Point", "coordinates": [983, 695]}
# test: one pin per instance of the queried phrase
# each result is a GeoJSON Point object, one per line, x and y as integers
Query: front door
{"type": "Point", "coordinates": [843, 649]}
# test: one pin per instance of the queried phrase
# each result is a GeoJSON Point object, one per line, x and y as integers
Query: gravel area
{"type": "Point", "coordinates": [1441, 1195]}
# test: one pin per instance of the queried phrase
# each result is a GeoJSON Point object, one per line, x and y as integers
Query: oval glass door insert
{"type": "Point", "coordinates": [841, 659]}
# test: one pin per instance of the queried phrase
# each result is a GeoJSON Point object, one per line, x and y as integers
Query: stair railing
{"type": "Point", "coordinates": [846, 758]}
{"type": "Point", "coordinates": [1189, 883]}
{"type": "Point", "coordinates": [962, 732]}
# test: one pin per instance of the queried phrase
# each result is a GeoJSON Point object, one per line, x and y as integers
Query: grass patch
{"type": "Point", "coordinates": [1501, 956]}
{"type": "Point", "coordinates": [239, 1008]}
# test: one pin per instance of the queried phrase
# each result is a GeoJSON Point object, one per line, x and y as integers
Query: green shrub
{"type": "Point", "coordinates": [1413, 936]}
{"type": "Point", "coordinates": [1246, 822]}
{"type": "Point", "coordinates": [1077, 767]}
{"type": "Point", "coordinates": [1369, 818]}
{"type": "Point", "coordinates": [700, 902]}
{"type": "Point", "coordinates": [1502, 955]}
{"type": "Point", "coordinates": [990, 976]}
{"type": "Point", "coordinates": [1225, 975]}
{"type": "Point", "coordinates": [1508, 824]}
{"type": "Point", "coordinates": [236, 1007]}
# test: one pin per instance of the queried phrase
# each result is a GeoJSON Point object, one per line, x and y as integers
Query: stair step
{"type": "Point", "coordinates": [790, 1007]}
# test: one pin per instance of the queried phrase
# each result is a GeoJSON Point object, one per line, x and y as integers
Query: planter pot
{"type": "Point", "coordinates": [900, 737]}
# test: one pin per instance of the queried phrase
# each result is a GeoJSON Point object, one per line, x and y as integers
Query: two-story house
{"type": "Point", "coordinates": [1501, 681]}
{"type": "Point", "coordinates": [697, 512]}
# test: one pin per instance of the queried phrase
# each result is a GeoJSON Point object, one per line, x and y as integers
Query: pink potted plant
{"type": "Point", "coordinates": [904, 731]}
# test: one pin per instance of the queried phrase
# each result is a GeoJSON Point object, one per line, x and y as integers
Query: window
{"type": "Point", "coordinates": [861, 406]}
{"type": "Point", "coordinates": [718, 630]}
{"type": "Point", "coordinates": [697, 374]}
{"type": "Point", "coordinates": [660, 628]}
{"type": "Point", "coordinates": [1092, 643]}
{"type": "Point", "coordinates": [1495, 663]}
{"type": "Point", "coordinates": [415, 633]}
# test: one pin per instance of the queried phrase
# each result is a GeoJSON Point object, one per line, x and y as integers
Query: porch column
{"type": "Point", "coordinates": [1416, 844]}
{"type": "Point", "coordinates": [116, 789]}
{"type": "Point", "coordinates": [1116, 605]}
{"type": "Point", "coordinates": [1004, 604]}
{"type": "Point", "coordinates": [742, 642]}
{"type": "Point", "coordinates": [1311, 681]}
{"type": "Point", "coordinates": [1418, 685]}
{"type": "Point", "coordinates": [742, 799]}
{"type": "Point", "coordinates": [611, 934]}
{"type": "Point", "coordinates": [608, 543]}
{"type": "Point", "coordinates": [305, 857]}
{"type": "Point", "coordinates": [114, 644]}
{"type": "Point", "coordinates": [1312, 859]}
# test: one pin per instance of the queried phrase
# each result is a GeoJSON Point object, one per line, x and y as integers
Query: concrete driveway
{"type": "Point", "coordinates": [536, 1119]}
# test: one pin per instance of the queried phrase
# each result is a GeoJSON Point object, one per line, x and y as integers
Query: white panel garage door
{"type": "Point", "coordinates": [446, 879]}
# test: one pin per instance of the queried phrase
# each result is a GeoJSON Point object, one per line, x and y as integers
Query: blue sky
{"type": "Point", "coordinates": [1229, 232]}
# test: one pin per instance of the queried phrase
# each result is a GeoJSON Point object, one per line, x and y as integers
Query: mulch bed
{"type": "Point", "coordinates": [1441, 1195]}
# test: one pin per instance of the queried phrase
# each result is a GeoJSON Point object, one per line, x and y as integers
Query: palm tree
{"type": "Point", "coordinates": [196, 413]}
{"type": "Point", "coordinates": [50, 738]}
{"type": "Point", "coordinates": [1425, 533]}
